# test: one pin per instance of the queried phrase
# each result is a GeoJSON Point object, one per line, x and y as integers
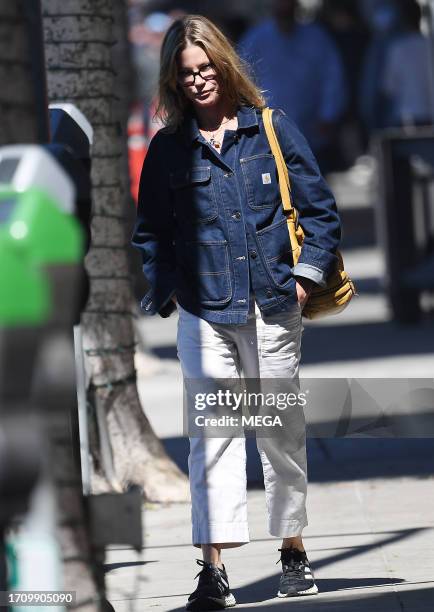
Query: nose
{"type": "Point", "coordinates": [199, 75]}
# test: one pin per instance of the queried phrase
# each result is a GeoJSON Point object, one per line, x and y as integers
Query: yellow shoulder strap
{"type": "Point", "coordinates": [282, 170]}
{"type": "Point", "coordinates": [285, 187]}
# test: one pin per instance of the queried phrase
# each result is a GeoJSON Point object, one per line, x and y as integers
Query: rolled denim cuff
{"type": "Point", "coordinates": [311, 272]}
{"type": "Point", "coordinates": [319, 258]}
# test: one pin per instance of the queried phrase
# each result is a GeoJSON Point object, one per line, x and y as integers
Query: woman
{"type": "Point", "coordinates": [214, 240]}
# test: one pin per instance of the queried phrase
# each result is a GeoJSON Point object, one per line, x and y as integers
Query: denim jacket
{"type": "Point", "coordinates": [211, 227]}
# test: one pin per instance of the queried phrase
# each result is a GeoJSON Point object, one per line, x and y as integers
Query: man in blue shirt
{"type": "Point", "coordinates": [299, 67]}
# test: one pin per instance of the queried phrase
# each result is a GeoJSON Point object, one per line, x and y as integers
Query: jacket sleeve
{"type": "Point", "coordinates": [314, 201]}
{"type": "Point", "coordinates": [153, 232]}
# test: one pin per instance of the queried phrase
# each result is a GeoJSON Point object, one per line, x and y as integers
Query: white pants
{"type": "Point", "coordinates": [263, 348]}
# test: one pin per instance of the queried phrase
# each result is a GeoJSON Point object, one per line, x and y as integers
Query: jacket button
{"type": "Point", "coordinates": [237, 215]}
{"type": "Point", "coordinates": [253, 254]}
{"type": "Point", "coordinates": [269, 293]}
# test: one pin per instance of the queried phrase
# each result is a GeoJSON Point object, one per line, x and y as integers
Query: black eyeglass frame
{"type": "Point", "coordinates": [194, 73]}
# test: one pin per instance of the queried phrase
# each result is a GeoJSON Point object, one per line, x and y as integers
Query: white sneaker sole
{"type": "Point", "coordinates": [313, 590]}
{"type": "Point", "coordinates": [230, 601]}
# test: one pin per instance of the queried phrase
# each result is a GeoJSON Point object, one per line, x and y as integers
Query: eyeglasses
{"type": "Point", "coordinates": [186, 78]}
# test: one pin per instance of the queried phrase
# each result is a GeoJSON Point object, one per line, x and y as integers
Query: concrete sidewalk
{"type": "Point", "coordinates": [370, 542]}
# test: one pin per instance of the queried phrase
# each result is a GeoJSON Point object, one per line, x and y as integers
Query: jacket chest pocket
{"type": "Point", "coordinates": [194, 197]}
{"type": "Point", "coordinates": [260, 179]}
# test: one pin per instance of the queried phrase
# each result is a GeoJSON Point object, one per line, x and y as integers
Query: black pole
{"type": "Point", "coordinates": [428, 12]}
{"type": "Point", "coordinates": [35, 36]}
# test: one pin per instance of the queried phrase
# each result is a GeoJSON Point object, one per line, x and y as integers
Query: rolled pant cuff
{"type": "Point", "coordinates": [234, 533]}
{"type": "Point", "coordinates": [287, 529]}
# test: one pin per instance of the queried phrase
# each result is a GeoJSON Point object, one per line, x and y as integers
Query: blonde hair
{"type": "Point", "coordinates": [234, 72]}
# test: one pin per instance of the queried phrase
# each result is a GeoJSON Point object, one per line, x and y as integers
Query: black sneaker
{"type": "Point", "coordinates": [297, 577]}
{"type": "Point", "coordinates": [212, 592]}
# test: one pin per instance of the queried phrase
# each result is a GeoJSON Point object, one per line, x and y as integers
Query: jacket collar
{"type": "Point", "coordinates": [246, 116]}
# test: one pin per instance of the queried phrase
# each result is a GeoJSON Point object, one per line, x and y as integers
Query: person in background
{"type": "Point", "coordinates": [343, 21]}
{"type": "Point", "coordinates": [299, 67]}
{"type": "Point", "coordinates": [384, 19]}
{"type": "Point", "coordinates": [406, 78]}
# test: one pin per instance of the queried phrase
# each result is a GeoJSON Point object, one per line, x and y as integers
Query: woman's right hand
{"type": "Point", "coordinates": [304, 288]}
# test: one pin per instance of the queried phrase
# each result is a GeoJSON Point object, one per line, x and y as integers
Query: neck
{"type": "Point", "coordinates": [212, 117]}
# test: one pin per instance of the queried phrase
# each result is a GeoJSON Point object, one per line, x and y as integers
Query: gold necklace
{"type": "Point", "coordinates": [212, 141]}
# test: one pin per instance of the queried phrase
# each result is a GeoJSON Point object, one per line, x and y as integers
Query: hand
{"type": "Point", "coordinates": [304, 288]}
{"type": "Point", "coordinates": [173, 298]}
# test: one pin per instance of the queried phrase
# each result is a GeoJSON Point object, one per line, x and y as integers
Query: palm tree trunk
{"type": "Point", "coordinates": [79, 36]}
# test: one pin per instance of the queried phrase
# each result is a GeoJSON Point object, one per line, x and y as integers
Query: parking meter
{"type": "Point", "coordinates": [71, 136]}
{"type": "Point", "coordinates": [29, 166]}
{"type": "Point", "coordinates": [70, 142]}
{"type": "Point", "coordinates": [40, 243]}
{"type": "Point", "coordinates": [24, 290]}
{"type": "Point", "coordinates": [24, 303]}
{"type": "Point", "coordinates": [24, 307]}
{"type": "Point", "coordinates": [41, 251]}
{"type": "Point", "coordinates": [44, 224]}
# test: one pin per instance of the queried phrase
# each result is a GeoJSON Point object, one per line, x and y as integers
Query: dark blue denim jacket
{"type": "Point", "coordinates": [211, 228]}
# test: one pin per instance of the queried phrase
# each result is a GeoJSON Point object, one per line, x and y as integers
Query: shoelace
{"type": "Point", "coordinates": [212, 577]}
{"type": "Point", "coordinates": [204, 564]}
{"type": "Point", "coordinates": [292, 566]}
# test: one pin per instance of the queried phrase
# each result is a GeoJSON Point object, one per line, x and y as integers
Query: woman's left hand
{"type": "Point", "coordinates": [304, 288]}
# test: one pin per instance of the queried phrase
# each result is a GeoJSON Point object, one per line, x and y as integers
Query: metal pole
{"type": "Point", "coordinates": [33, 15]}
{"type": "Point", "coordinates": [83, 425]}
{"type": "Point", "coordinates": [428, 9]}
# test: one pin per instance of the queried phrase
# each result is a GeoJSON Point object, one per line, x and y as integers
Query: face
{"type": "Point", "coordinates": [203, 93]}
{"type": "Point", "coordinates": [284, 10]}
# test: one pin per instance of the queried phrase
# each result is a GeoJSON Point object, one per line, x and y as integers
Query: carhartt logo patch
{"type": "Point", "coordinates": [266, 178]}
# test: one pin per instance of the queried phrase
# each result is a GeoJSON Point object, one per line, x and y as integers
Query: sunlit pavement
{"type": "Point", "coordinates": [370, 543]}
